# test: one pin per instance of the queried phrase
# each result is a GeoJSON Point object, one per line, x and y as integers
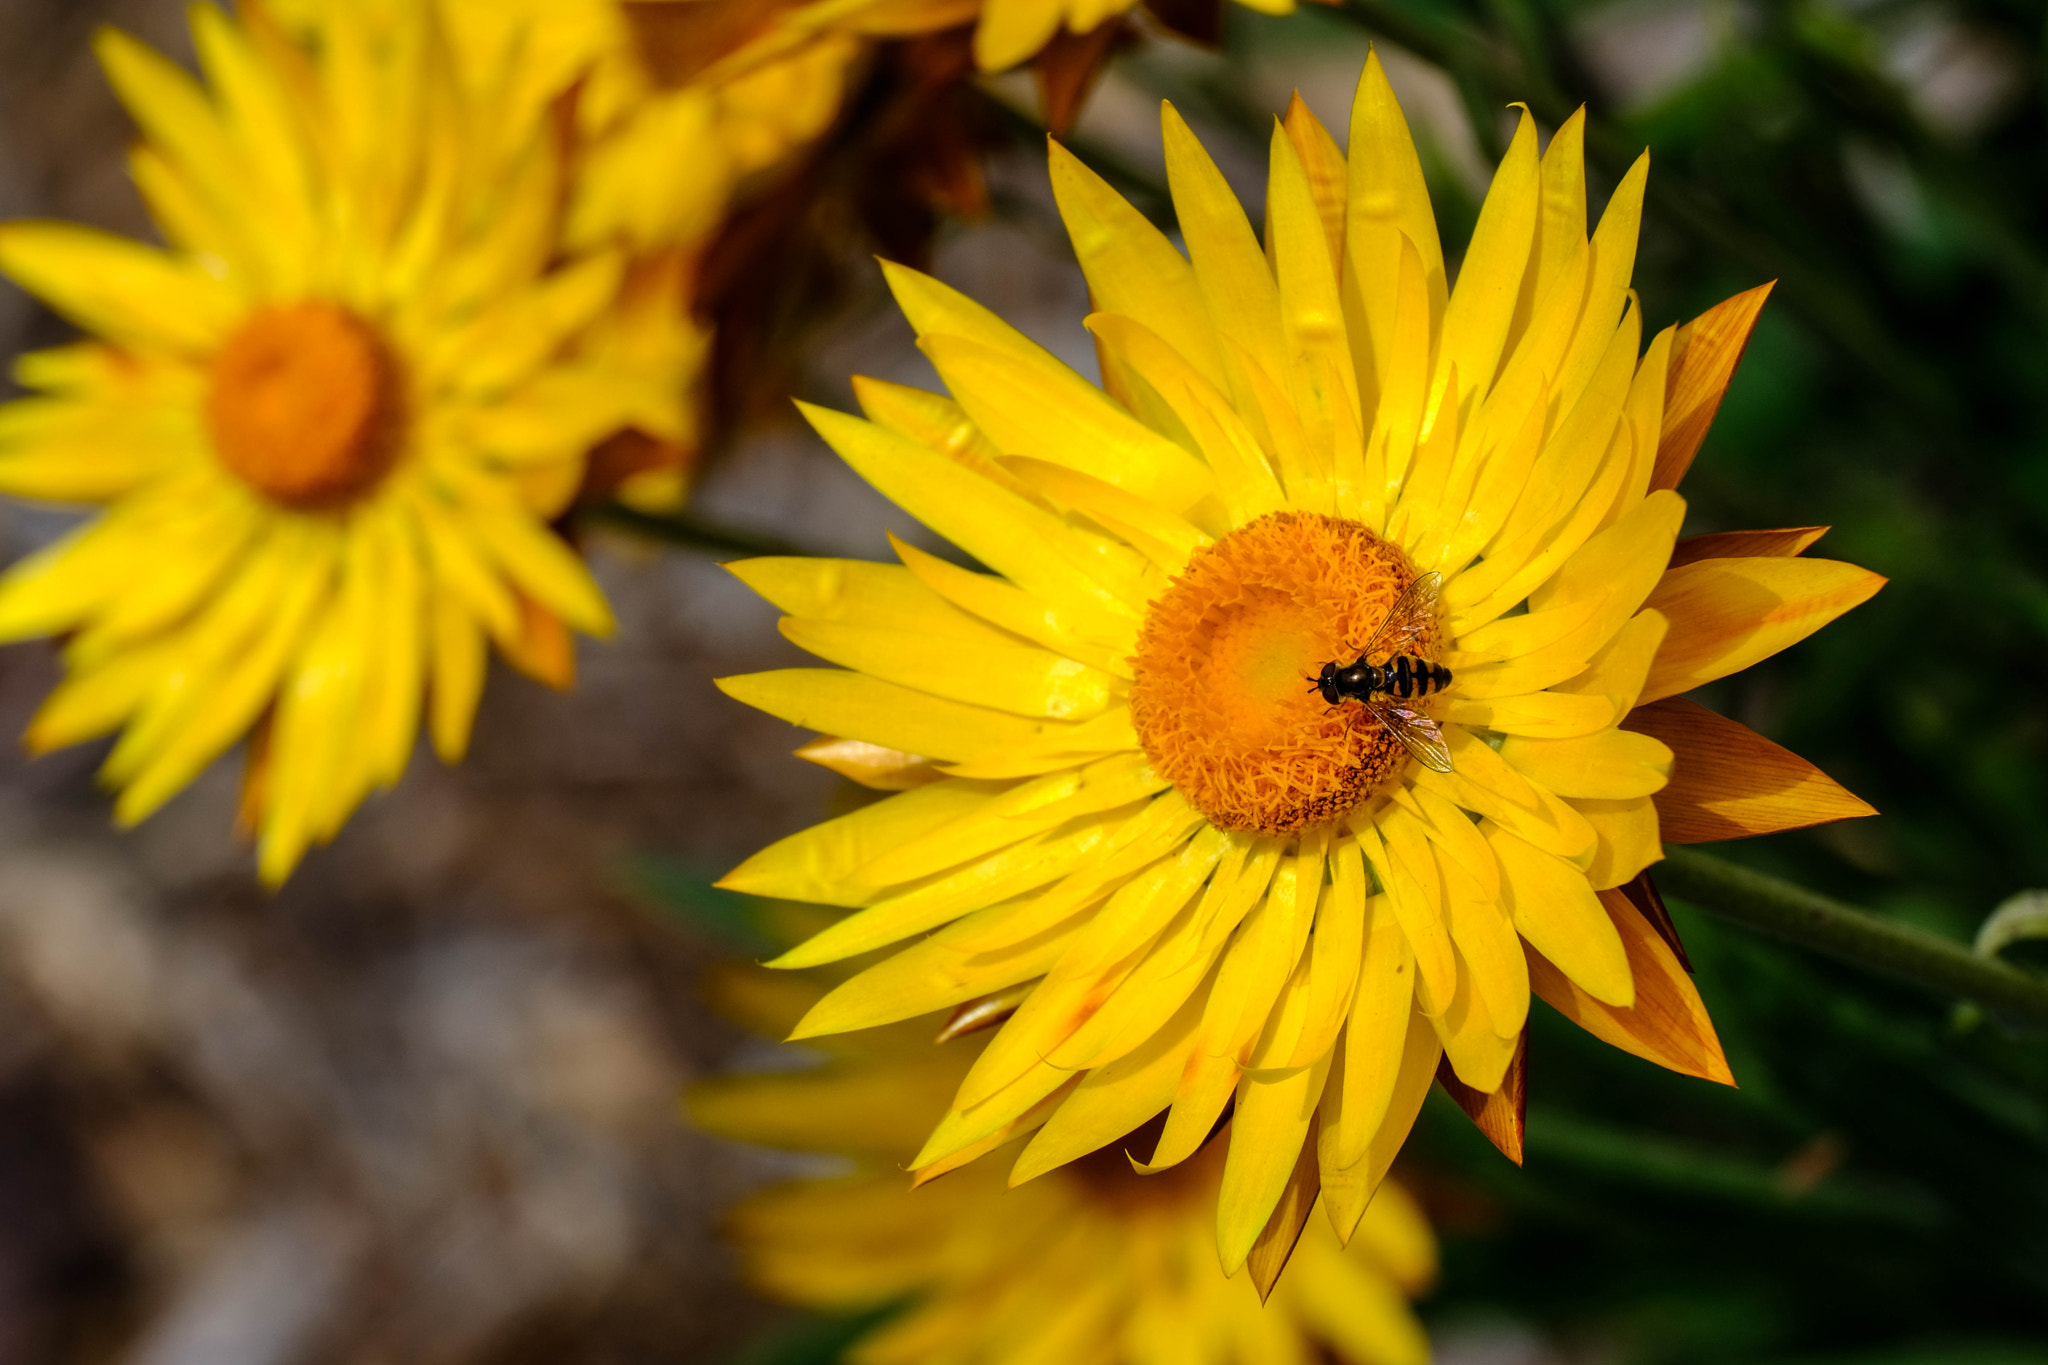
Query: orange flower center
{"type": "Point", "coordinates": [304, 406]}
{"type": "Point", "coordinates": [1221, 697]}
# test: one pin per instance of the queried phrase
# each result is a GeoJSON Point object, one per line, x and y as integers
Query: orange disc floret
{"type": "Point", "coordinates": [1221, 696]}
{"type": "Point", "coordinates": [303, 406]}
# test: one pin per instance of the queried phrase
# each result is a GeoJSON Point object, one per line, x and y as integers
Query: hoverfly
{"type": "Point", "coordinates": [1384, 689]}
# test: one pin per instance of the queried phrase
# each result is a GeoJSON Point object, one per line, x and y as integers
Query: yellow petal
{"type": "Point", "coordinates": [458, 657]}
{"type": "Point", "coordinates": [1112, 1100]}
{"type": "Point", "coordinates": [1322, 379]}
{"type": "Point", "coordinates": [1609, 578]}
{"type": "Point", "coordinates": [1327, 173]}
{"type": "Point", "coordinates": [1555, 910]}
{"type": "Point", "coordinates": [1013, 30]}
{"type": "Point", "coordinates": [229, 672]}
{"type": "Point", "coordinates": [1242, 299]}
{"type": "Point", "coordinates": [1478, 1054]}
{"type": "Point", "coordinates": [1014, 678]}
{"type": "Point", "coordinates": [1407, 875]}
{"type": "Point", "coordinates": [1386, 200]}
{"type": "Point", "coordinates": [1630, 839]}
{"type": "Point", "coordinates": [1131, 267]}
{"type": "Point", "coordinates": [1180, 962]}
{"type": "Point", "coordinates": [1164, 537]}
{"type": "Point", "coordinates": [1539, 715]}
{"type": "Point", "coordinates": [817, 863]}
{"type": "Point", "coordinates": [1048, 412]}
{"type": "Point", "coordinates": [459, 566]}
{"type": "Point", "coordinates": [1607, 284]}
{"type": "Point", "coordinates": [259, 114]}
{"type": "Point", "coordinates": [1336, 949]}
{"type": "Point", "coordinates": [989, 598]}
{"type": "Point", "coordinates": [928, 418]}
{"type": "Point", "coordinates": [1453, 833]}
{"type": "Point", "coordinates": [1244, 479]}
{"type": "Point", "coordinates": [1347, 1190]}
{"type": "Point", "coordinates": [1101, 793]}
{"type": "Point", "coordinates": [1561, 220]}
{"type": "Point", "coordinates": [1727, 614]}
{"type": "Point", "coordinates": [990, 880]}
{"type": "Point", "coordinates": [1092, 969]}
{"type": "Point", "coordinates": [91, 451]}
{"type": "Point", "coordinates": [1395, 471]}
{"type": "Point", "coordinates": [1364, 1082]}
{"type": "Point", "coordinates": [1487, 947]}
{"type": "Point", "coordinates": [1610, 765]}
{"type": "Point", "coordinates": [967, 1127]}
{"type": "Point", "coordinates": [1258, 965]}
{"type": "Point", "coordinates": [1728, 782]}
{"type": "Point", "coordinates": [886, 596]}
{"type": "Point", "coordinates": [853, 704]}
{"type": "Point", "coordinates": [1266, 1135]}
{"type": "Point", "coordinates": [939, 971]}
{"type": "Point", "coordinates": [1617, 672]}
{"type": "Point", "coordinates": [1482, 782]}
{"type": "Point", "coordinates": [543, 565]}
{"type": "Point", "coordinates": [135, 295]}
{"type": "Point", "coordinates": [1029, 546]}
{"type": "Point", "coordinates": [1483, 303]}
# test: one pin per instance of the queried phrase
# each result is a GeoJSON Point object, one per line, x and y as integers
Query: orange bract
{"type": "Point", "coordinates": [1218, 698]}
{"type": "Point", "coordinates": [304, 405]}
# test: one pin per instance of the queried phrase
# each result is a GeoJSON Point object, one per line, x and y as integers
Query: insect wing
{"type": "Point", "coordinates": [1420, 735]}
{"type": "Point", "coordinates": [1413, 612]}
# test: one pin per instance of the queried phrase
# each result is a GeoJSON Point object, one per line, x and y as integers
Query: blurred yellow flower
{"type": "Point", "coordinates": [676, 101]}
{"type": "Point", "coordinates": [1006, 32]}
{"type": "Point", "coordinates": [1195, 880]}
{"type": "Point", "coordinates": [1092, 1263]}
{"type": "Point", "coordinates": [330, 421]}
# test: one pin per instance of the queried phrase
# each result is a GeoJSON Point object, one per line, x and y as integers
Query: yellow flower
{"type": "Point", "coordinates": [1093, 1263]}
{"type": "Point", "coordinates": [1131, 818]}
{"type": "Point", "coordinates": [329, 421]}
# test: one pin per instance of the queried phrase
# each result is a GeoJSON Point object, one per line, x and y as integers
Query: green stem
{"type": "Point", "coordinates": [688, 531]}
{"type": "Point", "coordinates": [1841, 931]}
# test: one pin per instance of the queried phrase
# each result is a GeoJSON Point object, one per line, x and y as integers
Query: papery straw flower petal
{"type": "Point", "coordinates": [1206, 889]}
{"type": "Point", "coordinates": [1094, 1262]}
{"type": "Point", "coordinates": [329, 422]}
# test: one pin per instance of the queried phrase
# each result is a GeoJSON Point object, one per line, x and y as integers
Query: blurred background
{"type": "Point", "coordinates": [420, 1106]}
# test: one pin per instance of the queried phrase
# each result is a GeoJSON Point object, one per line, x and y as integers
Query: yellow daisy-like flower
{"type": "Point", "coordinates": [1093, 1263]}
{"type": "Point", "coordinates": [1135, 821]}
{"type": "Point", "coordinates": [329, 422]}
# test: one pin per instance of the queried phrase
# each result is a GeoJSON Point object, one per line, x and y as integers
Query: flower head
{"type": "Point", "coordinates": [329, 422]}
{"type": "Point", "coordinates": [1095, 1262]}
{"type": "Point", "coordinates": [1201, 885]}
